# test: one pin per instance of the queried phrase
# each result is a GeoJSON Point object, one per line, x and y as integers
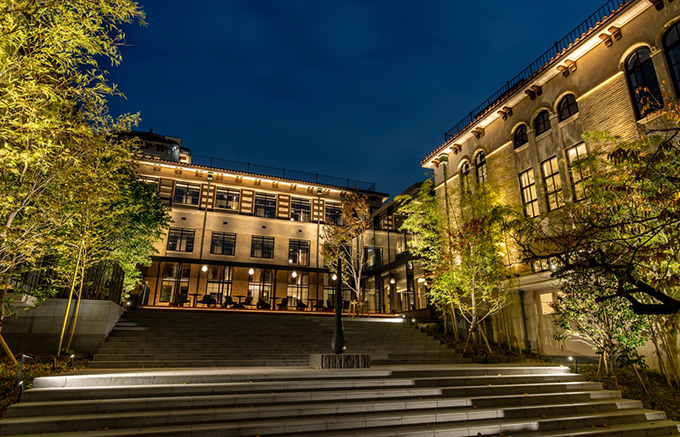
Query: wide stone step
{"type": "Point", "coordinates": [452, 421]}
{"type": "Point", "coordinates": [452, 410]}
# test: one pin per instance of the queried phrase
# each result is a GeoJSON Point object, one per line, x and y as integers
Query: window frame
{"type": "Point", "coordinates": [520, 134]}
{"type": "Point", "coordinates": [637, 90]}
{"type": "Point", "coordinates": [464, 174]}
{"type": "Point", "coordinates": [261, 244]}
{"type": "Point", "coordinates": [300, 210]}
{"type": "Point", "coordinates": [542, 122]}
{"type": "Point", "coordinates": [552, 184]}
{"type": "Point", "coordinates": [577, 176]}
{"type": "Point", "coordinates": [673, 48]}
{"type": "Point", "coordinates": [184, 242]}
{"type": "Point", "coordinates": [565, 107]}
{"type": "Point", "coordinates": [529, 193]}
{"type": "Point", "coordinates": [297, 249]}
{"type": "Point", "coordinates": [481, 169]}
{"type": "Point", "coordinates": [264, 205]}
{"type": "Point", "coordinates": [223, 237]}
{"type": "Point", "coordinates": [190, 196]}
{"type": "Point", "coordinates": [334, 216]}
{"type": "Point", "coordinates": [233, 197]}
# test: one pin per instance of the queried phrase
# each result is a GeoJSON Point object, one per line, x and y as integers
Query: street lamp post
{"type": "Point", "coordinates": [318, 229]}
{"type": "Point", "coordinates": [205, 218]}
{"type": "Point", "coordinates": [338, 342]}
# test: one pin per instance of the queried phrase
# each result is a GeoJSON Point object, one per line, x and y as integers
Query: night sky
{"type": "Point", "coordinates": [355, 89]}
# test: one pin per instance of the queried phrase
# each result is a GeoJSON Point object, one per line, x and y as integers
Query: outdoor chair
{"type": "Point", "coordinates": [248, 302]}
{"type": "Point", "coordinates": [182, 299]}
{"type": "Point", "coordinates": [300, 305]}
{"type": "Point", "coordinates": [319, 305]}
{"type": "Point", "coordinates": [283, 304]}
{"type": "Point", "coordinates": [228, 302]}
{"type": "Point", "coordinates": [208, 301]}
{"type": "Point", "coordinates": [262, 305]}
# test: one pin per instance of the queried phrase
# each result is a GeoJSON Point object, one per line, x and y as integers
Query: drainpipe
{"type": "Point", "coordinates": [527, 344]}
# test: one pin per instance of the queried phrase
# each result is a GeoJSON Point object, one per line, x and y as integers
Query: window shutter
{"type": "Point", "coordinates": [317, 210]}
{"type": "Point", "coordinates": [283, 206]}
{"type": "Point", "coordinates": [166, 188]}
{"type": "Point", "coordinates": [247, 201]}
{"type": "Point", "coordinates": [207, 197]}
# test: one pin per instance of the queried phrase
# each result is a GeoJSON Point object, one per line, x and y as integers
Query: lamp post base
{"type": "Point", "coordinates": [340, 361]}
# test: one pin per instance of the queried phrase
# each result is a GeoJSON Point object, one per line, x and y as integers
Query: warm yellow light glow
{"type": "Point", "coordinates": [204, 268]}
{"type": "Point", "coordinates": [334, 277]}
{"type": "Point", "coordinates": [294, 274]}
{"type": "Point", "coordinates": [251, 271]}
{"type": "Point", "coordinates": [597, 87]}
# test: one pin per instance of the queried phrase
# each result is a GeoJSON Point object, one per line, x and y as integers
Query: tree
{"type": "Point", "coordinates": [346, 242]}
{"type": "Point", "coordinates": [614, 330]}
{"type": "Point", "coordinates": [52, 110]}
{"type": "Point", "coordinates": [464, 256]}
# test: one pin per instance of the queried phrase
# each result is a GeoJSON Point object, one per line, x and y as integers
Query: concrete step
{"type": "Point", "coordinates": [451, 410]}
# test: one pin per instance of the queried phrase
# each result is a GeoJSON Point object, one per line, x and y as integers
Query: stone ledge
{"type": "Point", "coordinates": [340, 361]}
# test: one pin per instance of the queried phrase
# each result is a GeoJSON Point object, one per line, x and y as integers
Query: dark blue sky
{"type": "Point", "coordinates": [355, 89]}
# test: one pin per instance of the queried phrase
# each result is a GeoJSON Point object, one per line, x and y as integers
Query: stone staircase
{"type": "Point", "coordinates": [424, 400]}
{"type": "Point", "coordinates": [158, 338]}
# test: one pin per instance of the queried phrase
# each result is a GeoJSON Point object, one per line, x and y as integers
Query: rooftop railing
{"type": "Point", "coordinates": [590, 23]}
{"type": "Point", "coordinates": [265, 170]}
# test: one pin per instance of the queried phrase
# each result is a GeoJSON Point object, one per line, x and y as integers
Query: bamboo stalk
{"type": "Point", "coordinates": [8, 351]}
{"type": "Point", "coordinates": [70, 299]}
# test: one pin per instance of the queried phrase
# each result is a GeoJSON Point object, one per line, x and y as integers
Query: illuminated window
{"type": "Point", "coordinates": [333, 213]}
{"type": "Point", "coordinates": [542, 122]}
{"type": "Point", "coordinates": [298, 252]}
{"type": "Point", "coordinates": [223, 243]}
{"type": "Point", "coordinates": [300, 210]}
{"type": "Point", "coordinates": [552, 183]}
{"type": "Point", "coordinates": [480, 167]}
{"type": "Point", "coordinates": [372, 257]}
{"type": "Point", "coordinates": [520, 136]}
{"type": "Point", "coordinates": [227, 198]}
{"type": "Point", "coordinates": [546, 301]}
{"type": "Point", "coordinates": [262, 247]}
{"type": "Point", "coordinates": [671, 45]}
{"type": "Point", "coordinates": [644, 86]}
{"type": "Point", "coordinates": [529, 195]}
{"type": "Point", "coordinates": [465, 177]}
{"type": "Point", "coordinates": [578, 172]}
{"type": "Point", "coordinates": [186, 194]}
{"type": "Point", "coordinates": [181, 240]}
{"type": "Point", "coordinates": [265, 205]}
{"type": "Point", "coordinates": [567, 107]}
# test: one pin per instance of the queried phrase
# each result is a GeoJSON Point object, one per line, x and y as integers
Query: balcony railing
{"type": "Point", "coordinates": [265, 170]}
{"type": "Point", "coordinates": [610, 8]}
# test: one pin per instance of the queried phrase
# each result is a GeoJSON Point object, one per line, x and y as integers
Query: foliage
{"type": "Point", "coordinates": [346, 242]}
{"type": "Point", "coordinates": [39, 365]}
{"type": "Point", "coordinates": [464, 256]}
{"type": "Point", "coordinates": [610, 325]}
{"type": "Point", "coordinates": [53, 121]}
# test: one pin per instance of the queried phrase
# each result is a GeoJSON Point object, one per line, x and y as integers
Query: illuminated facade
{"type": "Point", "coordinates": [244, 233]}
{"type": "Point", "coordinates": [526, 135]}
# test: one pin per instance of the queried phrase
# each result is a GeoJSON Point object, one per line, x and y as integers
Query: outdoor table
{"type": "Point", "coordinates": [274, 299]}
{"type": "Point", "coordinates": [195, 295]}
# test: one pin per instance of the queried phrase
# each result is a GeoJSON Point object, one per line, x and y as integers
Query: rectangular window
{"type": "Point", "coordinates": [372, 256]}
{"type": "Point", "coordinates": [552, 183]}
{"type": "Point", "coordinates": [529, 196]}
{"type": "Point", "coordinates": [300, 210]}
{"type": "Point", "coordinates": [227, 198]}
{"type": "Point", "coordinates": [186, 194]}
{"type": "Point", "coordinates": [262, 247]}
{"type": "Point", "coordinates": [181, 240]}
{"type": "Point", "coordinates": [298, 252]}
{"type": "Point", "coordinates": [265, 205]}
{"type": "Point", "coordinates": [333, 214]}
{"type": "Point", "coordinates": [223, 243]}
{"type": "Point", "coordinates": [175, 285]}
{"type": "Point", "coordinates": [297, 291]}
{"type": "Point", "coordinates": [578, 171]}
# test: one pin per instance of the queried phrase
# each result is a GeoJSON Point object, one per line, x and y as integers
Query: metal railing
{"type": "Point", "coordinates": [265, 170]}
{"type": "Point", "coordinates": [607, 10]}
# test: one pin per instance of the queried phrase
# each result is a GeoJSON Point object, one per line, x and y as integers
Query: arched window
{"type": "Point", "coordinates": [671, 45]}
{"type": "Point", "coordinates": [567, 107]}
{"type": "Point", "coordinates": [480, 167]}
{"type": "Point", "coordinates": [542, 122]}
{"type": "Point", "coordinates": [465, 177]}
{"type": "Point", "coordinates": [520, 137]}
{"type": "Point", "coordinates": [644, 86]}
